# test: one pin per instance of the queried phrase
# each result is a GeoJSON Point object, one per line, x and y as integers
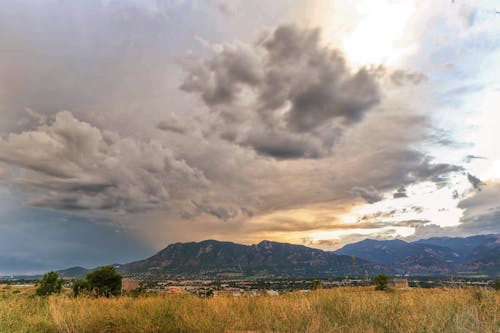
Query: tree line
{"type": "Point", "coordinates": [104, 281]}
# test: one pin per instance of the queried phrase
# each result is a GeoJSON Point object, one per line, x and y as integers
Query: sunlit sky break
{"type": "Point", "coordinates": [126, 125]}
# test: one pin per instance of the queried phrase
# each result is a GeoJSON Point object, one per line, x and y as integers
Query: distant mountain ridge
{"type": "Point", "coordinates": [444, 256]}
{"type": "Point", "coordinates": [212, 258]}
{"type": "Point", "coordinates": [434, 256]}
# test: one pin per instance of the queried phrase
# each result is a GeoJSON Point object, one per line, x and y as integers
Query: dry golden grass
{"type": "Point", "coordinates": [335, 310]}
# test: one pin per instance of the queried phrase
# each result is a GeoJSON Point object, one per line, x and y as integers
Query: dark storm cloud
{"type": "Point", "coordinates": [287, 88]}
{"type": "Point", "coordinates": [314, 79]}
{"type": "Point", "coordinates": [71, 165]}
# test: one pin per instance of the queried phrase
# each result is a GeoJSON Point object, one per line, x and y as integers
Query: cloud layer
{"type": "Point", "coordinates": [286, 96]}
{"type": "Point", "coordinates": [69, 164]}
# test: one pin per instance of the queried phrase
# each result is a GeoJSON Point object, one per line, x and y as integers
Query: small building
{"type": "Point", "coordinates": [130, 284]}
{"type": "Point", "coordinates": [400, 284]}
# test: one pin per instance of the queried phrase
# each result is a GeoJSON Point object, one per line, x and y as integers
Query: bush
{"type": "Point", "coordinates": [496, 285]}
{"type": "Point", "coordinates": [105, 281]}
{"type": "Point", "coordinates": [80, 286]}
{"type": "Point", "coordinates": [381, 282]}
{"type": "Point", "coordinates": [49, 284]}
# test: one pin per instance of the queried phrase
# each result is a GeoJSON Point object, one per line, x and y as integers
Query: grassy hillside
{"type": "Point", "coordinates": [334, 310]}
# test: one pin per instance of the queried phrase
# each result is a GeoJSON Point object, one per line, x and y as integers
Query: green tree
{"type": "Point", "coordinates": [105, 281]}
{"type": "Point", "coordinates": [80, 286]}
{"type": "Point", "coordinates": [49, 284]}
{"type": "Point", "coordinates": [381, 282]}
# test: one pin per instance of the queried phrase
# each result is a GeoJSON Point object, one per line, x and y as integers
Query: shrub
{"type": "Point", "coordinates": [49, 284]}
{"type": "Point", "coordinates": [105, 281]}
{"type": "Point", "coordinates": [80, 286]}
{"type": "Point", "coordinates": [381, 282]}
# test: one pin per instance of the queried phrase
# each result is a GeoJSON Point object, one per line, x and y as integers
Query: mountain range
{"type": "Point", "coordinates": [473, 255]}
{"type": "Point", "coordinates": [444, 256]}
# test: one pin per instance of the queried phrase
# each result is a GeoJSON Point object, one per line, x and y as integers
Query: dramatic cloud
{"type": "Point", "coordinates": [286, 96]}
{"type": "Point", "coordinates": [371, 195]}
{"type": "Point", "coordinates": [288, 134]}
{"type": "Point", "coordinates": [72, 165]}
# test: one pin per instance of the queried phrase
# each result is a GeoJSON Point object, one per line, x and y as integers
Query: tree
{"type": "Point", "coordinates": [80, 286]}
{"type": "Point", "coordinates": [49, 284]}
{"type": "Point", "coordinates": [381, 282]}
{"type": "Point", "coordinates": [105, 281]}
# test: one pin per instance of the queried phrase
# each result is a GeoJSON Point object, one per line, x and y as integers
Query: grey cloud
{"type": "Point", "coordinates": [401, 77]}
{"type": "Point", "coordinates": [482, 202]}
{"type": "Point", "coordinates": [434, 172]}
{"type": "Point", "coordinates": [284, 145]}
{"type": "Point", "coordinates": [484, 223]}
{"type": "Point", "coordinates": [220, 212]}
{"type": "Point", "coordinates": [425, 170]}
{"type": "Point", "coordinates": [475, 182]}
{"type": "Point", "coordinates": [481, 214]}
{"type": "Point", "coordinates": [172, 125]}
{"type": "Point", "coordinates": [220, 80]}
{"type": "Point", "coordinates": [287, 86]}
{"type": "Point", "coordinates": [370, 195]}
{"type": "Point", "coordinates": [72, 165]}
{"type": "Point", "coordinates": [397, 77]}
{"type": "Point", "coordinates": [469, 158]}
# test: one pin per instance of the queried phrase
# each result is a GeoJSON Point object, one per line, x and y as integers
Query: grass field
{"type": "Point", "coordinates": [333, 310]}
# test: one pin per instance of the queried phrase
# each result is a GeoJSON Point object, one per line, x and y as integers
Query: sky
{"type": "Point", "coordinates": [127, 125]}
